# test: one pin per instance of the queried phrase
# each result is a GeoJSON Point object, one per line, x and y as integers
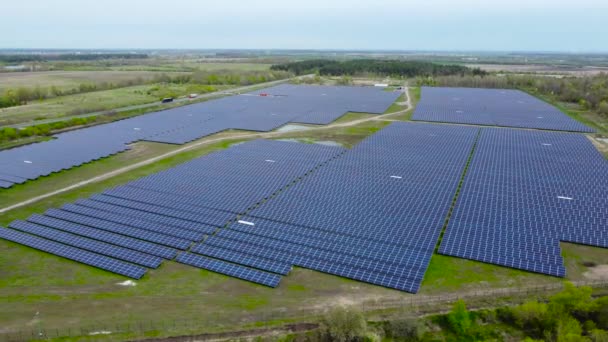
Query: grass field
{"type": "Point", "coordinates": [95, 101]}
{"type": "Point", "coordinates": [67, 80]}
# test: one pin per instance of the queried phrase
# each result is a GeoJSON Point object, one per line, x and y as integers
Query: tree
{"type": "Point", "coordinates": [534, 317]}
{"type": "Point", "coordinates": [459, 319]}
{"type": "Point", "coordinates": [569, 330]}
{"type": "Point", "coordinates": [576, 301]}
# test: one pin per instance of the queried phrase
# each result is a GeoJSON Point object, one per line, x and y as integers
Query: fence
{"type": "Point", "coordinates": [258, 323]}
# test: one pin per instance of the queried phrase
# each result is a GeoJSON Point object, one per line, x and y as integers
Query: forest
{"type": "Point", "coordinates": [392, 68]}
{"type": "Point", "coordinates": [20, 58]}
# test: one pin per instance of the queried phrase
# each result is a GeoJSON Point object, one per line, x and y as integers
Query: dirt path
{"type": "Point", "coordinates": [196, 145]}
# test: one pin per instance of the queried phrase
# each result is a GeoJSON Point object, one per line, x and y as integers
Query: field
{"type": "Point", "coordinates": [70, 105]}
{"type": "Point", "coordinates": [549, 70]}
{"type": "Point", "coordinates": [41, 291]}
{"type": "Point", "coordinates": [89, 87]}
{"type": "Point", "coordinates": [64, 292]}
{"type": "Point", "coordinates": [67, 80]}
{"type": "Point", "coordinates": [169, 65]}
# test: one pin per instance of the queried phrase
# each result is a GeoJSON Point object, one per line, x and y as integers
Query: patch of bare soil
{"type": "Point", "coordinates": [600, 143]}
{"type": "Point", "coordinates": [599, 272]}
{"type": "Point", "coordinates": [242, 334]}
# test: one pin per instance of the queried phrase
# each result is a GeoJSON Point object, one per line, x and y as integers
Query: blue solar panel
{"type": "Point", "coordinates": [134, 222]}
{"type": "Point", "coordinates": [172, 209]}
{"type": "Point", "coordinates": [286, 103]}
{"type": "Point", "coordinates": [494, 107]}
{"type": "Point", "coordinates": [150, 216]}
{"type": "Point", "coordinates": [101, 235]}
{"type": "Point", "coordinates": [242, 259]}
{"type": "Point", "coordinates": [237, 271]}
{"type": "Point", "coordinates": [73, 253]}
{"type": "Point", "coordinates": [526, 191]}
{"type": "Point", "coordinates": [330, 221]}
{"type": "Point", "coordinates": [88, 244]}
{"type": "Point", "coordinates": [138, 233]}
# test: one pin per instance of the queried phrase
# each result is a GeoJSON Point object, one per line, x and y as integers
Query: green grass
{"type": "Point", "coordinates": [25, 141]}
{"type": "Point", "coordinates": [94, 101]}
{"type": "Point", "coordinates": [414, 92]}
{"type": "Point", "coordinates": [352, 116]}
{"type": "Point", "coordinates": [395, 107]}
{"type": "Point", "coordinates": [71, 80]}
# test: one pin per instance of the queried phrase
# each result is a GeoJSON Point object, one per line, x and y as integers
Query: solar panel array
{"type": "Point", "coordinates": [374, 214]}
{"type": "Point", "coordinates": [526, 191]}
{"type": "Point", "coordinates": [283, 104]}
{"type": "Point", "coordinates": [494, 107]}
{"type": "Point", "coordinates": [153, 218]}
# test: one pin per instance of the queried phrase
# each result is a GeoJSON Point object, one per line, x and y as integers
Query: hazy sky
{"type": "Point", "coordinates": [530, 25]}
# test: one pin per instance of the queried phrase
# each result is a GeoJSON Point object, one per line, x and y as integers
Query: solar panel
{"type": "Point", "coordinates": [88, 244]}
{"type": "Point", "coordinates": [101, 235]}
{"type": "Point", "coordinates": [286, 103]}
{"type": "Point", "coordinates": [330, 221]}
{"type": "Point", "coordinates": [72, 253]}
{"type": "Point", "coordinates": [526, 191]}
{"type": "Point", "coordinates": [145, 235]}
{"type": "Point", "coordinates": [493, 107]}
{"type": "Point", "coordinates": [135, 222]}
{"type": "Point", "coordinates": [241, 272]}
{"type": "Point", "coordinates": [242, 259]}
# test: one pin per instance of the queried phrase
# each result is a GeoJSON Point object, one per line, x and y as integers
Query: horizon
{"type": "Point", "coordinates": [441, 26]}
{"type": "Point", "coordinates": [211, 49]}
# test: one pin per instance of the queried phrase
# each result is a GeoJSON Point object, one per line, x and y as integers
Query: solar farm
{"type": "Point", "coordinates": [492, 107]}
{"type": "Point", "coordinates": [278, 106]}
{"type": "Point", "coordinates": [375, 213]}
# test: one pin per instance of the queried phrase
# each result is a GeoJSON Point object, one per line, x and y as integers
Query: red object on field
{"type": "Point", "coordinates": [263, 94]}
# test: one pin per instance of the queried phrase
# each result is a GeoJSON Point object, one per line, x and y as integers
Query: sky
{"type": "Point", "coordinates": [441, 25]}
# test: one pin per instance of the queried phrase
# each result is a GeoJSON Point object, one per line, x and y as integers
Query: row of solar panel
{"type": "Point", "coordinates": [494, 107]}
{"type": "Point", "coordinates": [303, 104]}
{"type": "Point", "coordinates": [524, 193]}
{"type": "Point", "coordinates": [145, 225]}
{"type": "Point", "coordinates": [329, 220]}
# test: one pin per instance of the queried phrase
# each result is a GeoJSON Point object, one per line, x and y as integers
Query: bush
{"type": "Point", "coordinates": [576, 301]}
{"type": "Point", "coordinates": [599, 335]}
{"type": "Point", "coordinates": [459, 319]}
{"type": "Point", "coordinates": [534, 318]}
{"type": "Point", "coordinates": [408, 329]}
{"type": "Point", "coordinates": [343, 325]}
{"type": "Point", "coordinates": [603, 107]}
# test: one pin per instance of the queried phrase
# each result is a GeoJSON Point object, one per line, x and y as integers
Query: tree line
{"type": "Point", "coordinates": [22, 95]}
{"type": "Point", "coordinates": [10, 133]}
{"type": "Point", "coordinates": [20, 58]}
{"type": "Point", "coordinates": [375, 67]}
{"type": "Point", "coordinates": [571, 315]}
{"type": "Point", "coordinates": [589, 92]}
